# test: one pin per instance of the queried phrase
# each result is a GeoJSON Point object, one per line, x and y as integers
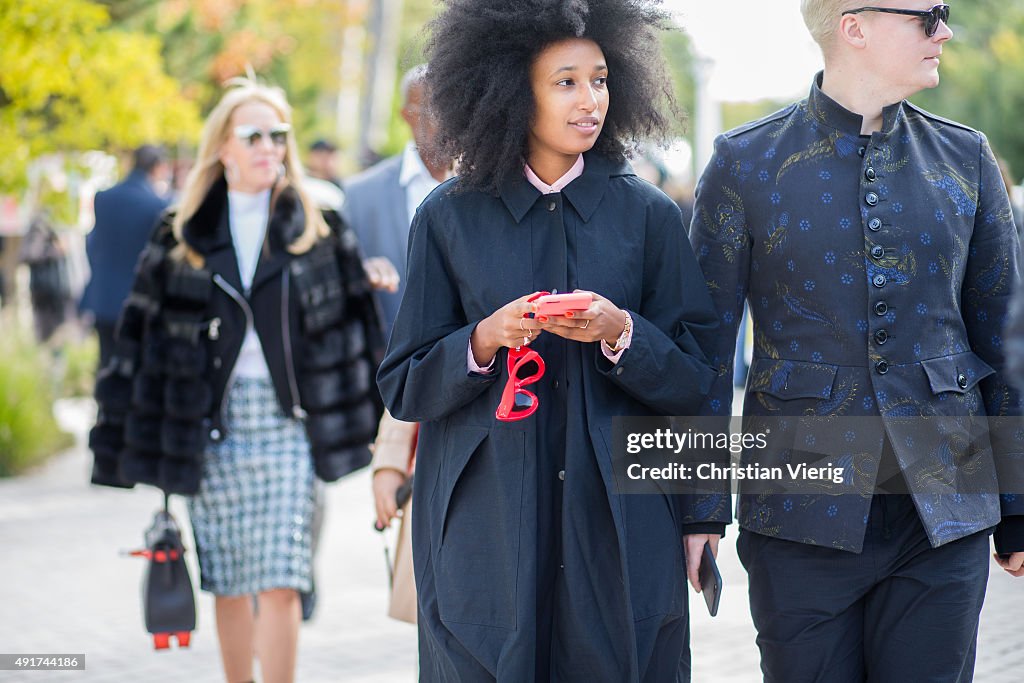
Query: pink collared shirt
{"type": "Point", "coordinates": [574, 172]}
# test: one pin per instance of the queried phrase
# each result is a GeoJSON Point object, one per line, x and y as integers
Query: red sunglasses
{"type": "Point", "coordinates": [516, 402]}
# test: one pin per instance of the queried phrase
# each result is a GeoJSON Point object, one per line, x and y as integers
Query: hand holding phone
{"type": "Point", "coordinates": [710, 580]}
{"type": "Point", "coordinates": [560, 304]}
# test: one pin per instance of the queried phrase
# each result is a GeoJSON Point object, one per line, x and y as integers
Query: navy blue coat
{"type": "Point", "coordinates": [126, 216]}
{"type": "Point", "coordinates": [528, 566]}
{"type": "Point", "coordinates": [877, 273]}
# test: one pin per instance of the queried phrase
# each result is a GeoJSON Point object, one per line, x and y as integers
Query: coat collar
{"type": "Point", "coordinates": [827, 111]}
{"type": "Point", "coordinates": [584, 193]}
{"type": "Point", "coordinates": [209, 233]}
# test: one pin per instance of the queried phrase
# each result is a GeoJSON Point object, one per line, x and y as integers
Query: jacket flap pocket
{"type": "Point", "coordinates": [959, 372]}
{"type": "Point", "coordinates": [788, 379]}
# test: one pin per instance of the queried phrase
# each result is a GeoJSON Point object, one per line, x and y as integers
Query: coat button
{"type": "Point", "coordinates": [215, 434]}
{"type": "Point", "coordinates": [877, 251]}
{"type": "Point", "coordinates": [217, 362]}
{"type": "Point", "coordinates": [871, 198]}
{"type": "Point", "coordinates": [861, 150]}
{"type": "Point", "coordinates": [961, 380]}
{"type": "Point", "coordinates": [552, 205]}
{"type": "Point", "coordinates": [870, 174]}
{"type": "Point", "coordinates": [881, 308]}
{"type": "Point", "coordinates": [882, 367]}
{"type": "Point", "coordinates": [881, 336]}
{"type": "Point", "coordinates": [618, 371]}
{"type": "Point", "coordinates": [875, 224]}
{"type": "Point", "coordinates": [554, 385]}
{"type": "Point", "coordinates": [878, 280]}
{"type": "Point", "coordinates": [561, 475]}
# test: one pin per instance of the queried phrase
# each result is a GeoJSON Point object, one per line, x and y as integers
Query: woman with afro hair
{"type": "Point", "coordinates": [529, 566]}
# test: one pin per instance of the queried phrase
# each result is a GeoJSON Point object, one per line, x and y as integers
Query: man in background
{"type": "Point", "coordinates": [125, 216]}
{"type": "Point", "coordinates": [322, 161]}
{"type": "Point", "coordinates": [382, 200]}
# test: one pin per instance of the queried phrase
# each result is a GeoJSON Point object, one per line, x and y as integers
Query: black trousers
{"type": "Point", "coordinates": [899, 611]}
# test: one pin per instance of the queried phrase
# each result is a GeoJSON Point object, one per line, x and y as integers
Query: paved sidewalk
{"type": "Point", "coordinates": [64, 588]}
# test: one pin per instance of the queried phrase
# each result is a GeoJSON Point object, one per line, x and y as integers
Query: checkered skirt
{"type": "Point", "coordinates": [253, 515]}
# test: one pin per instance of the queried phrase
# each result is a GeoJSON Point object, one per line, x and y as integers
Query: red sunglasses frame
{"type": "Point", "coordinates": [518, 357]}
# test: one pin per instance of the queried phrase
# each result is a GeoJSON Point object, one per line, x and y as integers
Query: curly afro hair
{"type": "Point", "coordinates": [480, 54]}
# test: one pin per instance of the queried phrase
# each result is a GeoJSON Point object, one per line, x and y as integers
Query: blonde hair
{"type": "Point", "coordinates": [208, 166]}
{"type": "Point", "coordinates": [822, 19]}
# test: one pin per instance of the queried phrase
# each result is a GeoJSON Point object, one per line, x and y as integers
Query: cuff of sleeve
{"type": "Point", "coordinates": [613, 357]}
{"type": "Point", "coordinates": [704, 528]}
{"type": "Point", "coordinates": [475, 367]}
{"type": "Point", "coordinates": [622, 344]}
{"type": "Point", "coordinates": [1009, 535]}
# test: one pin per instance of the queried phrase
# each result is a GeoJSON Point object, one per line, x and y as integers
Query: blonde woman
{"type": "Point", "coordinates": [243, 373]}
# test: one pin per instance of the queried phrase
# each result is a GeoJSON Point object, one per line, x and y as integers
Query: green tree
{"type": "Point", "coordinates": [293, 44]}
{"type": "Point", "coordinates": [982, 75]}
{"type": "Point", "coordinates": [71, 82]}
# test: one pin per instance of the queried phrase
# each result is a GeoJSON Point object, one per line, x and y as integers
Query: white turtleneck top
{"type": "Point", "coordinates": [248, 215]}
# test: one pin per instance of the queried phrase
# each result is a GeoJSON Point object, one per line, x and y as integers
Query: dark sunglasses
{"type": "Point", "coordinates": [931, 17]}
{"type": "Point", "coordinates": [251, 135]}
{"type": "Point", "coordinates": [525, 366]}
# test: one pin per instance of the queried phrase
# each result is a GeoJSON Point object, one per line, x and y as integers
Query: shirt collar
{"type": "Point", "coordinates": [574, 172]}
{"type": "Point", "coordinates": [584, 193]}
{"type": "Point", "coordinates": [827, 111]}
{"type": "Point", "coordinates": [413, 166]}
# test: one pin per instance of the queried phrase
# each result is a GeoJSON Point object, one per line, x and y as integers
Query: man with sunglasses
{"type": "Point", "coordinates": [875, 245]}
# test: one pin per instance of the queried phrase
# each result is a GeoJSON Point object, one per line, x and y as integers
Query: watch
{"type": "Point", "coordinates": [627, 331]}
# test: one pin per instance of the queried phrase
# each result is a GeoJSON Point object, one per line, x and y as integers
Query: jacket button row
{"type": "Point", "coordinates": [877, 251]}
{"type": "Point", "coordinates": [878, 280]}
{"type": "Point", "coordinates": [881, 336]}
{"type": "Point", "coordinates": [961, 380]}
{"type": "Point", "coordinates": [881, 308]}
{"type": "Point", "coordinates": [875, 224]}
{"type": "Point", "coordinates": [882, 367]}
{"type": "Point", "coordinates": [870, 174]}
{"type": "Point", "coordinates": [871, 198]}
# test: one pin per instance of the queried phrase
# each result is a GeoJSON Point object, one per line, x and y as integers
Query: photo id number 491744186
{"type": "Point", "coordinates": [42, 662]}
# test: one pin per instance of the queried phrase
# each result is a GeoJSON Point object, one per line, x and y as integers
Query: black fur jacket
{"type": "Point", "coordinates": [162, 397]}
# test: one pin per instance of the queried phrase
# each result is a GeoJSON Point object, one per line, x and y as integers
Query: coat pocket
{"type": "Point", "coordinates": [958, 373]}
{"type": "Point", "coordinates": [792, 379]}
{"type": "Point", "coordinates": [480, 501]}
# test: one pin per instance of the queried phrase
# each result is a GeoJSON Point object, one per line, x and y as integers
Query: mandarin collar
{"type": "Point", "coordinates": [828, 112]}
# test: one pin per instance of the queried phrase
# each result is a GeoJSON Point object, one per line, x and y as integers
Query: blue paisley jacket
{"type": "Point", "coordinates": [877, 273]}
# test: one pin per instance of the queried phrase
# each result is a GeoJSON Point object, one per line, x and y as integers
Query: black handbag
{"type": "Point", "coordinates": [168, 601]}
